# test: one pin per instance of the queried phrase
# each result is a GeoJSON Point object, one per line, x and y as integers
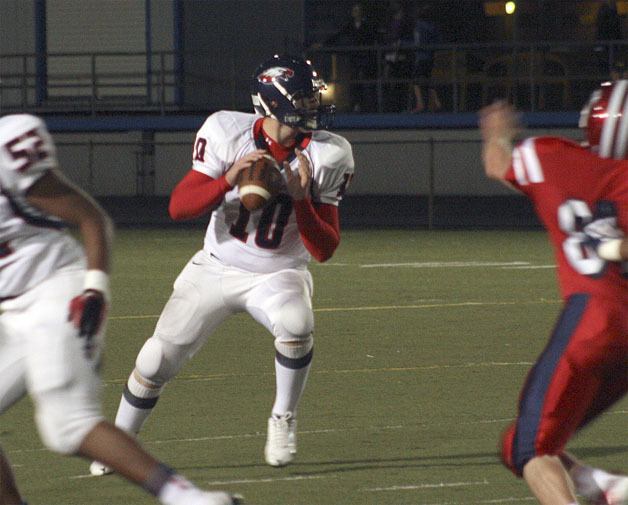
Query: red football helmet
{"type": "Point", "coordinates": [605, 119]}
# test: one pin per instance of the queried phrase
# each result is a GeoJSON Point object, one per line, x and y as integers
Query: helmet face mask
{"type": "Point", "coordinates": [288, 89]}
{"type": "Point", "coordinates": [605, 120]}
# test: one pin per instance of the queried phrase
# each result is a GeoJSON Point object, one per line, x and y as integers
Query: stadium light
{"type": "Point", "coordinates": [329, 92]}
{"type": "Point", "coordinates": [499, 8]}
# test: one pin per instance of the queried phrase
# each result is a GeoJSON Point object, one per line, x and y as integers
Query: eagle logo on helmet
{"type": "Point", "coordinates": [274, 73]}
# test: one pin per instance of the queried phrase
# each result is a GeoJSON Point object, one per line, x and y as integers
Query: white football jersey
{"type": "Point", "coordinates": [265, 240]}
{"type": "Point", "coordinates": [32, 244]}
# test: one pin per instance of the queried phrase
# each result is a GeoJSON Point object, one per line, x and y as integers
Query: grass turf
{"type": "Point", "coordinates": [422, 338]}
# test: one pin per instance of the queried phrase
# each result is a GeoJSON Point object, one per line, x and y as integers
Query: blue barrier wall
{"type": "Point", "coordinates": [173, 123]}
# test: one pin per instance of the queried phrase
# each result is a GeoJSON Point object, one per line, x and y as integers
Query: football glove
{"type": "Point", "coordinates": [603, 229]}
{"type": "Point", "coordinates": [604, 237]}
{"type": "Point", "coordinates": [87, 313]}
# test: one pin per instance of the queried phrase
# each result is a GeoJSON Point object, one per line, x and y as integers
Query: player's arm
{"type": "Point", "coordinates": [55, 195]}
{"type": "Point", "coordinates": [318, 224]}
{"type": "Point", "coordinates": [612, 249]}
{"type": "Point", "coordinates": [198, 193]}
{"type": "Point", "coordinates": [498, 125]}
{"type": "Point", "coordinates": [605, 237]}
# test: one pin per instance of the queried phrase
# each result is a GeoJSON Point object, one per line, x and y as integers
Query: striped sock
{"type": "Point", "coordinates": [138, 400]}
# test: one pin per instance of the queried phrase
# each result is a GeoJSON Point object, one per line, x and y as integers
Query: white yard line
{"type": "Point", "coordinates": [427, 486]}
{"type": "Point", "coordinates": [237, 436]}
{"type": "Point", "coordinates": [529, 267]}
{"type": "Point", "coordinates": [509, 499]}
{"type": "Point", "coordinates": [432, 305]}
{"type": "Point", "coordinates": [267, 480]}
{"type": "Point", "coordinates": [262, 480]}
{"type": "Point", "coordinates": [445, 366]}
{"type": "Point", "coordinates": [448, 264]}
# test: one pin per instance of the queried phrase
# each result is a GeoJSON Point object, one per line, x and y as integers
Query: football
{"type": "Point", "coordinates": [259, 183]}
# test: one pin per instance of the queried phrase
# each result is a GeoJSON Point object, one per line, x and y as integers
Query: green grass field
{"type": "Point", "coordinates": [422, 342]}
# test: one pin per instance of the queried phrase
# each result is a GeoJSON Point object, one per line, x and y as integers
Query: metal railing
{"type": "Point", "coordinates": [536, 77]}
{"type": "Point", "coordinates": [90, 83]}
{"type": "Point", "coordinates": [141, 168]}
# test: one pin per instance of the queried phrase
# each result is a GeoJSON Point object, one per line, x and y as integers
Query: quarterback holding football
{"type": "Point", "coordinates": [254, 257]}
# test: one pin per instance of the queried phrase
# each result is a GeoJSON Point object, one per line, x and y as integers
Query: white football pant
{"type": "Point", "coordinates": [207, 292]}
{"type": "Point", "coordinates": [42, 354]}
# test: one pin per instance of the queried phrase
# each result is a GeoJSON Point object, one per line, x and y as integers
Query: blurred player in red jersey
{"type": "Point", "coordinates": [53, 302]}
{"type": "Point", "coordinates": [252, 261]}
{"type": "Point", "coordinates": [581, 196]}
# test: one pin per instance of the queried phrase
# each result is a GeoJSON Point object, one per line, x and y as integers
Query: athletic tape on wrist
{"type": "Point", "coordinates": [97, 280]}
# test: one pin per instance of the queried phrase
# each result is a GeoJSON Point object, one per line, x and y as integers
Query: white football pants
{"type": "Point", "coordinates": [207, 292]}
{"type": "Point", "coordinates": [42, 354]}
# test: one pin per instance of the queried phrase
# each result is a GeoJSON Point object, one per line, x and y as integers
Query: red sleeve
{"type": "Point", "coordinates": [196, 194]}
{"type": "Point", "coordinates": [319, 227]}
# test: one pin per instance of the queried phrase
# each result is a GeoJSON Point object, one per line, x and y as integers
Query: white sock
{"type": "Point", "coordinates": [136, 403]}
{"type": "Point", "coordinates": [176, 491]}
{"type": "Point", "coordinates": [169, 487]}
{"type": "Point", "coordinates": [602, 478]}
{"type": "Point", "coordinates": [582, 477]}
{"type": "Point", "coordinates": [290, 384]}
{"type": "Point", "coordinates": [590, 482]}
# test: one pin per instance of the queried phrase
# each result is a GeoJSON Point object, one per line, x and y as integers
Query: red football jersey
{"type": "Point", "coordinates": [566, 183]}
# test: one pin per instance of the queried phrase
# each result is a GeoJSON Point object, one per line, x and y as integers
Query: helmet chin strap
{"type": "Point", "coordinates": [308, 119]}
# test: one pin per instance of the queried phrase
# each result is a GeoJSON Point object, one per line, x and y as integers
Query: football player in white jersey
{"type": "Point", "coordinates": [53, 300]}
{"type": "Point", "coordinates": [253, 262]}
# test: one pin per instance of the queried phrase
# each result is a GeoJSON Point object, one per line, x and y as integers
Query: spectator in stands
{"type": "Point", "coordinates": [608, 23]}
{"type": "Point", "coordinates": [360, 30]}
{"type": "Point", "coordinates": [618, 71]}
{"type": "Point", "coordinates": [399, 61]}
{"type": "Point", "coordinates": [425, 33]}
